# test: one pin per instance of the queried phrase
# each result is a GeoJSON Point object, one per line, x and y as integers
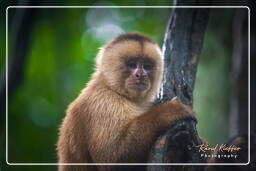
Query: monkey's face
{"type": "Point", "coordinates": [140, 73]}
{"type": "Point", "coordinates": [133, 69]}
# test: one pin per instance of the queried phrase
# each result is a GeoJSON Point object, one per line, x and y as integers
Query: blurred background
{"type": "Point", "coordinates": [59, 46]}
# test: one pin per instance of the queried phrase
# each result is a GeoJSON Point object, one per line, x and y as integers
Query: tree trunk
{"type": "Point", "coordinates": [21, 29]}
{"type": "Point", "coordinates": [182, 44]}
{"type": "Point", "coordinates": [238, 115]}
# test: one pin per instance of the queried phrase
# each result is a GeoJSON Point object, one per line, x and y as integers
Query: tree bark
{"type": "Point", "coordinates": [182, 45]}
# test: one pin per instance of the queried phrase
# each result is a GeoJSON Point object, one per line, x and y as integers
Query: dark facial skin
{"type": "Point", "coordinates": [140, 70]}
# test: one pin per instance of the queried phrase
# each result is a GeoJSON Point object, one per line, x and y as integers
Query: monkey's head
{"type": "Point", "coordinates": [132, 66]}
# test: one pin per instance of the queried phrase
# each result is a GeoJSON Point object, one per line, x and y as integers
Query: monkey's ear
{"type": "Point", "coordinates": [98, 59]}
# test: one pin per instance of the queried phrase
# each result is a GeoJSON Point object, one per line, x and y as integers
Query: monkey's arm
{"type": "Point", "coordinates": [135, 140]}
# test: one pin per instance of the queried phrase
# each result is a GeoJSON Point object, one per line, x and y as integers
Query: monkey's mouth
{"type": "Point", "coordinates": [138, 85]}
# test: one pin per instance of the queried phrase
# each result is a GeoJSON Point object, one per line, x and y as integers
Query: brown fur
{"type": "Point", "coordinates": [109, 124]}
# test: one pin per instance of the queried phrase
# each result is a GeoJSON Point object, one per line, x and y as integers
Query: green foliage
{"type": "Point", "coordinates": [212, 86]}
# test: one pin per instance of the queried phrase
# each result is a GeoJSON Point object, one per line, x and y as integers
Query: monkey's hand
{"type": "Point", "coordinates": [172, 111]}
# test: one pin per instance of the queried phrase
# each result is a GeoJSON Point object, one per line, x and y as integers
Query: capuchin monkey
{"type": "Point", "coordinates": [113, 120]}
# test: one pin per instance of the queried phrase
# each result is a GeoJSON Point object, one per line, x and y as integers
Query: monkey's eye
{"type": "Point", "coordinates": [132, 64]}
{"type": "Point", "coordinates": [148, 66]}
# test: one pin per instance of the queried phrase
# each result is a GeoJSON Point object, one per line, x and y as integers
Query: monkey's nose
{"type": "Point", "coordinates": [137, 75]}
